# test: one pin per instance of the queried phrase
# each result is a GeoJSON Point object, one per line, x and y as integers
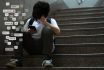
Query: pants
{"type": "Point", "coordinates": [43, 45]}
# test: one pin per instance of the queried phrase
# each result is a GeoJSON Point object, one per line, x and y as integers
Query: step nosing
{"type": "Point", "coordinates": [81, 18]}
{"type": "Point", "coordinates": [93, 35]}
{"type": "Point", "coordinates": [72, 11]}
{"type": "Point", "coordinates": [81, 14]}
{"type": "Point", "coordinates": [87, 54]}
{"type": "Point", "coordinates": [82, 23]}
{"type": "Point", "coordinates": [80, 10]}
{"type": "Point", "coordinates": [85, 28]}
{"type": "Point", "coordinates": [83, 44]}
{"type": "Point", "coordinates": [63, 67]}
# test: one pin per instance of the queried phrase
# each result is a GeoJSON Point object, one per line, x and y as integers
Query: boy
{"type": "Point", "coordinates": [38, 35]}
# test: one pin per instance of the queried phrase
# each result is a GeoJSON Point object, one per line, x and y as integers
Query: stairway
{"type": "Point", "coordinates": [80, 45]}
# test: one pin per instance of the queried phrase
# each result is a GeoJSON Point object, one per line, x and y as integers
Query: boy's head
{"type": "Point", "coordinates": [41, 8]}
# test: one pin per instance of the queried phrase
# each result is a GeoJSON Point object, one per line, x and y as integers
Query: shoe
{"type": "Point", "coordinates": [47, 63]}
{"type": "Point", "coordinates": [11, 63]}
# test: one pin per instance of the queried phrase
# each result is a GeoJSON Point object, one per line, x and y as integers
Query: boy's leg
{"type": "Point", "coordinates": [31, 45]}
{"type": "Point", "coordinates": [47, 43]}
{"type": "Point", "coordinates": [18, 56]}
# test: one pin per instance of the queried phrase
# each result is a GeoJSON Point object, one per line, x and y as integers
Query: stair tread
{"type": "Point", "coordinates": [93, 35]}
{"type": "Point", "coordinates": [80, 14]}
{"type": "Point", "coordinates": [81, 18]}
{"type": "Point", "coordinates": [62, 67]}
{"type": "Point", "coordinates": [60, 54]}
{"type": "Point", "coordinates": [83, 23]}
{"type": "Point", "coordinates": [54, 68]}
{"type": "Point", "coordinates": [63, 61]}
{"type": "Point", "coordinates": [81, 44]}
{"type": "Point", "coordinates": [80, 25]}
{"type": "Point", "coordinates": [81, 31]}
{"type": "Point", "coordinates": [81, 10]}
{"type": "Point", "coordinates": [83, 39]}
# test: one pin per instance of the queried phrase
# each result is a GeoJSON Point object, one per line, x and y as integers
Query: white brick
{"type": "Point", "coordinates": [20, 39]}
{"type": "Point", "coordinates": [13, 19]}
{"type": "Point", "coordinates": [18, 34]}
{"type": "Point", "coordinates": [5, 41]}
{"type": "Point", "coordinates": [7, 3]}
{"type": "Point", "coordinates": [6, 14]}
{"type": "Point", "coordinates": [5, 32]}
{"type": "Point", "coordinates": [9, 49]}
{"type": "Point", "coordinates": [16, 14]}
{"type": "Point", "coordinates": [8, 28]}
{"type": "Point", "coordinates": [8, 23]}
{"type": "Point", "coordinates": [15, 47]}
{"type": "Point", "coordinates": [23, 14]}
{"type": "Point", "coordinates": [9, 10]}
{"type": "Point", "coordinates": [14, 6]}
{"type": "Point", "coordinates": [21, 22]}
{"type": "Point", "coordinates": [12, 38]}
{"type": "Point", "coordinates": [26, 10]}
{"type": "Point", "coordinates": [13, 27]}
{"type": "Point", "coordinates": [5, 18]}
{"type": "Point", "coordinates": [15, 23]}
{"type": "Point", "coordinates": [7, 37]}
{"type": "Point", "coordinates": [9, 43]}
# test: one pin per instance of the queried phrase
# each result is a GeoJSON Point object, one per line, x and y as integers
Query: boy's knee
{"type": "Point", "coordinates": [47, 30]}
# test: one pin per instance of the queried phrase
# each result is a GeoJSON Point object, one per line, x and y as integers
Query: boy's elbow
{"type": "Point", "coordinates": [57, 32]}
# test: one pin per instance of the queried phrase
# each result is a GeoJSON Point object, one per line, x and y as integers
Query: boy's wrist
{"type": "Point", "coordinates": [47, 24]}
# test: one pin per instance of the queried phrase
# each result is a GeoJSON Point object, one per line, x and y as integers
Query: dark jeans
{"type": "Point", "coordinates": [33, 46]}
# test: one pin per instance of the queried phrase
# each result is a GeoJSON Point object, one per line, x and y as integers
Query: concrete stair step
{"type": "Point", "coordinates": [71, 32]}
{"type": "Point", "coordinates": [55, 68]}
{"type": "Point", "coordinates": [78, 21]}
{"type": "Point", "coordinates": [82, 18]}
{"type": "Point", "coordinates": [80, 10]}
{"type": "Point", "coordinates": [79, 61]}
{"type": "Point", "coordinates": [61, 60]}
{"type": "Point", "coordinates": [80, 39]}
{"type": "Point", "coordinates": [79, 48]}
{"type": "Point", "coordinates": [85, 22]}
{"type": "Point", "coordinates": [81, 25]}
{"type": "Point", "coordinates": [69, 15]}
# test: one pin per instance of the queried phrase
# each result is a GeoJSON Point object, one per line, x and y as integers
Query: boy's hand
{"type": "Point", "coordinates": [43, 20]}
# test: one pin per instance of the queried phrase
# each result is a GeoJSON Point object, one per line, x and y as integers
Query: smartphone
{"type": "Point", "coordinates": [32, 27]}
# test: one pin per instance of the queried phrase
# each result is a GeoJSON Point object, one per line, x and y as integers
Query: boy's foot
{"type": "Point", "coordinates": [11, 63]}
{"type": "Point", "coordinates": [47, 63]}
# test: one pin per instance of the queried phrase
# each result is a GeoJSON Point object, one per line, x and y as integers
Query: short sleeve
{"type": "Point", "coordinates": [53, 22]}
{"type": "Point", "coordinates": [25, 28]}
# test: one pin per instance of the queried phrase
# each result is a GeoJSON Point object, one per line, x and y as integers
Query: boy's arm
{"type": "Point", "coordinates": [53, 25]}
{"type": "Point", "coordinates": [25, 28]}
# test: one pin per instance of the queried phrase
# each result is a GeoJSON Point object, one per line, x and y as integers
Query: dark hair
{"type": "Point", "coordinates": [41, 8]}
